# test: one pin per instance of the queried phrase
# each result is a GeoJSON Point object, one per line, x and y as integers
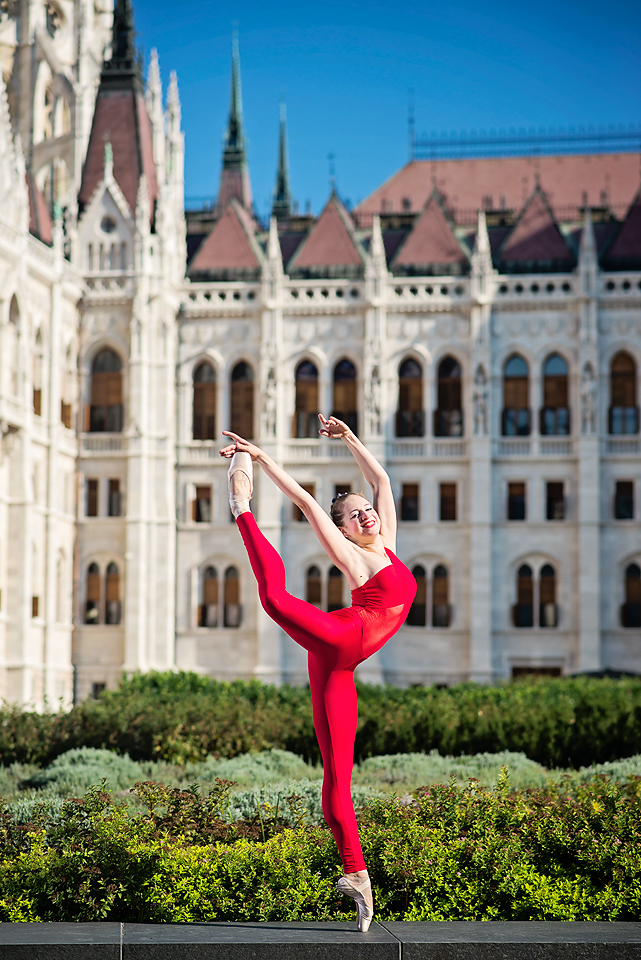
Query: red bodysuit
{"type": "Point", "coordinates": [336, 643]}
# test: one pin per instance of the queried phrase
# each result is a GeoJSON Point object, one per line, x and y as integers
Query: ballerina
{"type": "Point", "coordinates": [359, 537]}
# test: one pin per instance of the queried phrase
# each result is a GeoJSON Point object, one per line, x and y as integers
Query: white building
{"type": "Point", "coordinates": [478, 321]}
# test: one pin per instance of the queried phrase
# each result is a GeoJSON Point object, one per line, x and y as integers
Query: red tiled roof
{"type": "Point", "coordinates": [228, 246]}
{"type": "Point", "coordinates": [536, 237]}
{"type": "Point", "coordinates": [330, 242]}
{"type": "Point", "coordinates": [431, 240]}
{"type": "Point", "coordinates": [120, 118]}
{"type": "Point", "coordinates": [40, 222]}
{"type": "Point", "coordinates": [469, 185]}
{"type": "Point", "coordinates": [627, 245]}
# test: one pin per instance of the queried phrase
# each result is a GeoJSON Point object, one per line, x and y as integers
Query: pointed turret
{"type": "Point", "coordinates": [234, 176]}
{"type": "Point", "coordinates": [153, 100]}
{"type": "Point", "coordinates": [121, 118]}
{"type": "Point", "coordinates": [282, 205]}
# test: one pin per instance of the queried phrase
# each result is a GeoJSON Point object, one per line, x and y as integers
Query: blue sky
{"type": "Point", "coordinates": [346, 68]}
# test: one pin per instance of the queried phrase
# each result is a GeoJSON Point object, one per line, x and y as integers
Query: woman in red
{"type": "Point", "coordinates": [360, 539]}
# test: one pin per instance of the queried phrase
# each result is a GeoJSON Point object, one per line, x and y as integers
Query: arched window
{"type": "Point", "coordinates": [631, 609]}
{"type": "Point", "coordinates": [242, 400]}
{"type": "Point", "coordinates": [231, 616]}
{"type": "Point", "coordinates": [13, 346]}
{"type": "Point", "coordinates": [555, 413]}
{"type": "Point", "coordinates": [523, 610]}
{"type": "Point", "coordinates": [410, 418]}
{"type": "Point", "coordinates": [548, 610]}
{"type": "Point", "coordinates": [112, 594]}
{"type": "Point", "coordinates": [208, 609]}
{"type": "Point", "coordinates": [345, 394]}
{"type": "Point", "coordinates": [204, 412]}
{"type": "Point", "coordinates": [37, 375]}
{"type": "Point", "coordinates": [306, 410]}
{"type": "Point", "coordinates": [67, 390]}
{"type": "Point", "coordinates": [448, 416]}
{"type": "Point", "coordinates": [105, 410]}
{"type": "Point", "coordinates": [624, 413]}
{"type": "Point", "coordinates": [314, 587]}
{"type": "Point", "coordinates": [516, 410]}
{"type": "Point", "coordinates": [441, 611]}
{"type": "Point", "coordinates": [335, 590]}
{"type": "Point", "coordinates": [92, 607]}
{"type": "Point", "coordinates": [417, 617]}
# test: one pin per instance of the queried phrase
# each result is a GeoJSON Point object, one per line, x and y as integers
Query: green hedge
{"type": "Point", "coordinates": [451, 854]}
{"type": "Point", "coordinates": [182, 717]}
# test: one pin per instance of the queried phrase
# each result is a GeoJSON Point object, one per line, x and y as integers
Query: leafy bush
{"type": "Point", "coordinates": [250, 769]}
{"type": "Point", "coordinates": [410, 770]}
{"type": "Point", "coordinates": [182, 718]}
{"type": "Point", "coordinates": [452, 854]}
{"type": "Point", "coordinates": [244, 804]}
{"type": "Point", "coordinates": [75, 771]}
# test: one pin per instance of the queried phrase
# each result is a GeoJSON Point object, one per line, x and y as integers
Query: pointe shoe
{"type": "Point", "coordinates": [355, 891]}
{"type": "Point", "coordinates": [240, 463]}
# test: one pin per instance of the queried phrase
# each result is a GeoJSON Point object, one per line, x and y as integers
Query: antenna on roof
{"type": "Point", "coordinates": [410, 121]}
{"type": "Point", "coordinates": [332, 172]}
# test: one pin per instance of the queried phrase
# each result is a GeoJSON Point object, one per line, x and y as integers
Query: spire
{"type": "Point", "coordinates": [234, 177]}
{"type": "Point", "coordinates": [282, 205]}
{"type": "Point", "coordinates": [124, 59]}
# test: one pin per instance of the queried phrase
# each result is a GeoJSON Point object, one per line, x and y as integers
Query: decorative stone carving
{"type": "Point", "coordinates": [588, 400]}
{"type": "Point", "coordinates": [269, 406]}
{"type": "Point", "coordinates": [373, 401]}
{"type": "Point", "coordinates": [480, 399]}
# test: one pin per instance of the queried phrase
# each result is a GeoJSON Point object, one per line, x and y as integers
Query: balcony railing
{"type": "Point", "coordinates": [623, 420]}
{"type": "Point", "coordinates": [516, 422]}
{"type": "Point", "coordinates": [448, 423]}
{"type": "Point", "coordinates": [410, 423]}
{"type": "Point", "coordinates": [554, 421]}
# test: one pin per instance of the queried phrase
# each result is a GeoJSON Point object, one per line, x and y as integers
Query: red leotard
{"type": "Point", "coordinates": [336, 642]}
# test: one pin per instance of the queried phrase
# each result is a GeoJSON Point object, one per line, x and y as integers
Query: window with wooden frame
{"type": "Point", "coordinates": [631, 609]}
{"type": "Point", "coordinates": [242, 400]}
{"type": "Point", "coordinates": [91, 509]}
{"type": "Point", "coordinates": [441, 612]}
{"type": "Point", "coordinates": [334, 590]}
{"type": "Point", "coordinates": [201, 505]}
{"type": "Point", "coordinates": [447, 501]}
{"type": "Point", "coordinates": [37, 376]}
{"type": "Point", "coordinates": [410, 416]}
{"type": "Point", "coordinates": [417, 616]}
{"type": "Point", "coordinates": [232, 611]}
{"type": "Point", "coordinates": [112, 595]}
{"type": "Point", "coordinates": [344, 394]}
{"type": "Point", "coordinates": [555, 501]}
{"type": "Point", "coordinates": [555, 412]}
{"type": "Point", "coordinates": [208, 608]}
{"type": "Point", "coordinates": [409, 501]}
{"type": "Point", "coordinates": [306, 404]}
{"type": "Point", "coordinates": [448, 416]}
{"type": "Point", "coordinates": [548, 611]}
{"type": "Point", "coordinates": [516, 410]}
{"type": "Point", "coordinates": [114, 503]}
{"type": "Point", "coordinates": [624, 412]}
{"type": "Point", "coordinates": [314, 586]}
{"type": "Point", "coordinates": [299, 516]}
{"type": "Point", "coordinates": [204, 406]}
{"type": "Point", "coordinates": [105, 411]}
{"type": "Point", "coordinates": [92, 602]}
{"type": "Point", "coordinates": [624, 500]}
{"type": "Point", "coordinates": [516, 501]}
{"type": "Point", "coordinates": [523, 610]}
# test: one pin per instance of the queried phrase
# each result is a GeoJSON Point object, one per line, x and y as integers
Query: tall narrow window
{"type": "Point", "coordinates": [92, 498]}
{"type": "Point", "coordinates": [409, 501]}
{"type": "Point", "coordinates": [306, 409]}
{"type": "Point", "coordinates": [313, 587]}
{"type": "Point", "coordinates": [67, 390]}
{"type": "Point", "coordinates": [555, 412]}
{"type": "Point", "coordinates": [114, 503]}
{"type": "Point", "coordinates": [208, 609]}
{"type": "Point", "coordinates": [242, 400]}
{"type": "Point", "coordinates": [516, 502]}
{"type": "Point", "coordinates": [410, 417]}
{"type": "Point", "coordinates": [204, 411]}
{"type": "Point", "coordinates": [440, 597]}
{"type": "Point", "coordinates": [334, 590]}
{"type": "Point", "coordinates": [92, 606]}
{"type": "Point", "coordinates": [624, 500]}
{"type": "Point", "coordinates": [448, 416]}
{"type": "Point", "coordinates": [37, 376]}
{"type": "Point", "coordinates": [112, 595]}
{"type": "Point", "coordinates": [232, 598]}
{"type": "Point", "coordinates": [516, 411]}
{"type": "Point", "coordinates": [555, 501]}
{"type": "Point", "coordinates": [624, 412]}
{"type": "Point", "coordinates": [447, 496]}
{"type": "Point", "coordinates": [523, 610]}
{"type": "Point", "coordinates": [631, 609]}
{"type": "Point", "coordinates": [548, 611]}
{"type": "Point", "coordinates": [201, 506]}
{"type": "Point", "coordinates": [345, 394]}
{"type": "Point", "coordinates": [105, 412]}
{"type": "Point", "coordinates": [417, 616]}
{"type": "Point", "coordinates": [299, 516]}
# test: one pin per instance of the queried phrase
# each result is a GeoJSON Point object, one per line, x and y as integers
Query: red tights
{"type": "Point", "coordinates": [335, 647]}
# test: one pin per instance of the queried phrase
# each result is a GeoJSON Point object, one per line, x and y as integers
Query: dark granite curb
{"type": "Point", "coordinates": [320, 941]}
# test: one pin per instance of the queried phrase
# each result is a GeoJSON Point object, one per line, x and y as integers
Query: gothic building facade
{"type": "Point", "coordinates": [477, 322]}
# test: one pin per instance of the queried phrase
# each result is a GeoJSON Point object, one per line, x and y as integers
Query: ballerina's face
{"type": "Point", "coordinates": [361, 523]}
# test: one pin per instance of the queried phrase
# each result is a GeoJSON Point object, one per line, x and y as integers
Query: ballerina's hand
{"type": "Point", "coordinates": [239, 446]}
{"type": "Point", "coordinates": [333, 427]}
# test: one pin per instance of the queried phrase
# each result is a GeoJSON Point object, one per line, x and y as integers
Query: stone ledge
{"type": "Point", "coordinates": [321, 941]}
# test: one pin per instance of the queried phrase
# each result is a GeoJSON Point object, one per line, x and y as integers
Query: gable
{"type": "Point", "coordinates": [228, 248]}
{"type": "Point", "coordinates": [330, 244]}
{"type": "Point", "coordinates": [536, 238]}
{"type": "Point", "coordinates": [431, 242]}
